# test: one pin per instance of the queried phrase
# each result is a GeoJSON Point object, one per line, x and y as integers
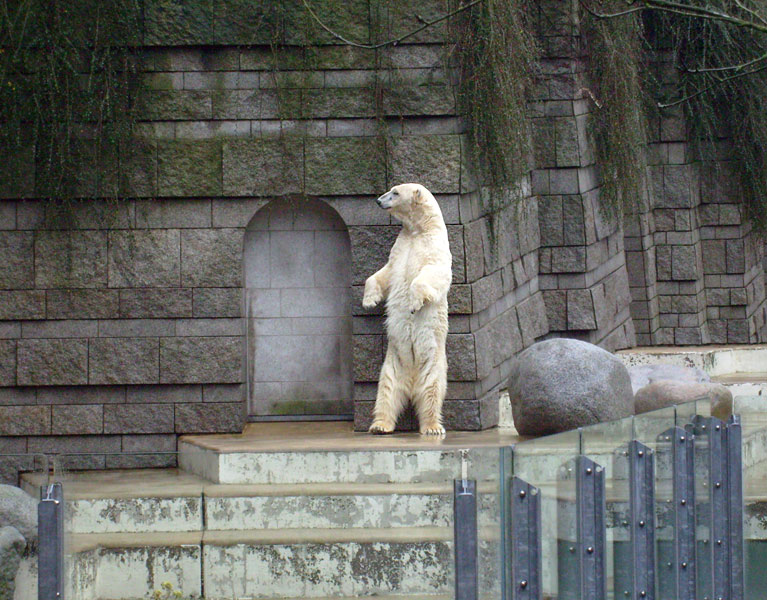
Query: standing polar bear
{"type": "Point", "coordinates": [414, 283]}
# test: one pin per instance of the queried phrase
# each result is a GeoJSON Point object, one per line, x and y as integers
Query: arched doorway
{"type": "Point", "coordinates": [297, 266]}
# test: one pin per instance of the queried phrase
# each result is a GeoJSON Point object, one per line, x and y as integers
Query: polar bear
{"type": "Point", "coordinates": [414, 283]}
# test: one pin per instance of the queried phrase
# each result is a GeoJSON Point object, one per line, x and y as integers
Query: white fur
{"type": "Point", "coordinates": [414, 283]}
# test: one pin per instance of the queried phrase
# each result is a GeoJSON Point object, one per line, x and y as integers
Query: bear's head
{"type": "Point", "coordinates": [408, 200]}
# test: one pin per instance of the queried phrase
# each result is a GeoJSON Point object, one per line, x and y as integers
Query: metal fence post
{"type": "Point", "coordinates": [525, 541]}
{"type": "Point", "coordinates": [642, 517]}
{"type": "Point", "coordinates": [735, 506]}
{"type": "Point", "coordinates": [466, 544]}
{"type": "Point", "coordinates": [590, 501]}
{"type": "Point", "coordinates": [50, 531]}
{"type": "Point", "coordinates": [683, 456]}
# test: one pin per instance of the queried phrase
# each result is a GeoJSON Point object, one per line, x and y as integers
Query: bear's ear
{"type": "Point", "coordinates": [417, 196]}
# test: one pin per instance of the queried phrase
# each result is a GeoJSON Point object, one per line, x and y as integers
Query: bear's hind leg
{"type": "Point", "coordinates": [428, 396]}
{"type": "Point", "coordinates": [390, 399]}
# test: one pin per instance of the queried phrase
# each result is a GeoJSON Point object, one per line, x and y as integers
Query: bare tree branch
{"type": "Point", "coordinates": [392, 42]}
{"type": "Point", "coordinates": [709, 87]}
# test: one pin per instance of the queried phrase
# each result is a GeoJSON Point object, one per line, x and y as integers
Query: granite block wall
{"type": "Point", "coordinates": [122, 323]}
{"type": "Point", "coordinates": [582, 262]}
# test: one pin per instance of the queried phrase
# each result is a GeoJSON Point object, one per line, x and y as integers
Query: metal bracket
{"type": "Point", "coordinates": [590, 501]}
{"type": "Point", "coordinates": [525, 541]}
{"type": "Point", "coordinates": [642, 517]}
{"type": "Point", "coordinates": [50, 531]}
{"type": "Point", "coordinates": [466, 543]}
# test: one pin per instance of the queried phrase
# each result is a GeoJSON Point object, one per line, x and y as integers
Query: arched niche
{"type": "Point", "coordinates": [297, 266]}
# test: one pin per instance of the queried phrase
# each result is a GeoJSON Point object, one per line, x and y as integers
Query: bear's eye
{"type": "Point", "coordinates": [396, 193]}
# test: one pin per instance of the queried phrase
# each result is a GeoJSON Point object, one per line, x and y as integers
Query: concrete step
{"type": "Point", "coordinates": [282, 453]}
{"type": "Point", "coordinates": [299, 563]}
{"type": "Point", "coordinates": [168, 500]}
{"type": "Point", "coordinates": [714, 360]}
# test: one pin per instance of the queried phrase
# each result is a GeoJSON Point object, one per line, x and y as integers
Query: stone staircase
{"type": "Point", "coordinates": [343, 523]}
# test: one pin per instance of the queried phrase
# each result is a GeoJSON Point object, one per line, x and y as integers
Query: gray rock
{"type": "Point", "coordinates": [642, 375]}
{"type": "Point", "coordinates": [560, 384]}
{"type": "Point", "coordinates": [661, 394]}
{"type": "Point", "coordinates": [18, 509]}
{"type": "Point", "coordinates": [11, 548]}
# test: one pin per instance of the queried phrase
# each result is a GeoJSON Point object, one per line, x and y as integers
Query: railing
{"type": "Point", "coordinates": [649, 507]}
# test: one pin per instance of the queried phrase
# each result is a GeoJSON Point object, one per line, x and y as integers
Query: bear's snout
{"type": "Point", "coordinates": [384, 201]}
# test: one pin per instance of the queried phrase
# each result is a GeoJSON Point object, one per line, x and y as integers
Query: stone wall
{"type": "Point", "coordinates": [121, 322]}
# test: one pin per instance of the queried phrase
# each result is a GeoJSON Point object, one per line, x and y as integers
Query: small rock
{"type": "Point", "coordinates": [11, 548]}
{"type": "Point", "coordinates": [18, 509]}
{"type": "Point", "coordinates": [560, 384]}
{"type": "Point", "coordinates": [642, 375]}
{"type": "Point", "coordinates": [661, 394]}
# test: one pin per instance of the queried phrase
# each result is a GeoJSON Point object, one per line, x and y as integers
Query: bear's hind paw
{"type": "Point", "coordinates": [380, 428]}
{"type": "Point", "coordinates": [435, 429]}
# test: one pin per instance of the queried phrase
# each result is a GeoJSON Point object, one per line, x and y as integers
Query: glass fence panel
{"type": "Point", "coordinates": [325, 523]}
{"type": "Point", "coordinates": [607, 444]}
{"type": "Point", "coordinates": [548, 463]}
{"type": "Point", "coordinates": [752, 410]}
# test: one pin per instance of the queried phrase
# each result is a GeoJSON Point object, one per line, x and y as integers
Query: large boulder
{"type": "Point", "coordinates": [642, 375]}
{"type": "Point", "coordinates": [560, 384]}
{"type": "Point", "coordinates": [18, 509]}
{"type": "Point", "coordinates": [11, 549]}
{"type": "Point", "coordinates": [667, 393]}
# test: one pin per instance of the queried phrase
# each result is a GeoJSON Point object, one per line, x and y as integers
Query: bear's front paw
{"type": "Point", "coordinates": [433, 429]}
{"type": "Point", "coordinates": [380, 427]}
{"type": "Point", "coordinates": [369, 300]}
{"type": "Point", "coordinates": [416, 303]}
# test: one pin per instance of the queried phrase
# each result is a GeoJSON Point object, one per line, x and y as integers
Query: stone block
{"type": "Point", "coordinates": [7, 362]}
{"type": "Point", "coordinates": [344, 166]}
{"type": "Point", "coordinates": [461, 360]}
{"type": "Point", "coordinates": [339, 103]}
{"type": "Point", "coordinates": [170, 214]}
{"type": "Point", "coordinates": [211, 257]}
{"type": "Point", "coordinates": [544, 143]}
{"type": "Point", "coordinates": [123, 361]}
{"type": "Point", "coordinates": [208, 327]}
{"type": "Point", "coordinates": [433, 160]}
{"type": "Point", "coordinates": [367, 357]}
{"type": "Point", "coordinates": [217, 302]}
{"type": "Point", "coordinates": [663, 263]}
{"type": "Point", "coordinates": [138, 173]}
{"type": "Point", "coordinates": [17, 266]}
{"type": "Point", "coordinates": [221, 417]}
{"type": "Point", "coordinates": [201, 360]}
{"type": "Point", "coordinates": [25, 420]}
{"type": "Point", "coordinates": [71, 259]}
{"type": "Point", "coordinates": [556, 309]}
{"type": "Point", "coordinates": [81, 394]}
{"type": "Point", "coordinates": [683, 263]}
{"type": "Point", "coordinates": [676, 187]}
{"type": "Point", "coordinates": [174, 105]}
{"type": "Point", "coordinates": [163, 394]}
{"type": "Point", "coordinates": [125, 328]}
{"type": "Point", "coordinates": [533, 319]}
{"type": "Point", "coordinates": [82, 304]}
{"type": "Point", "coordinates": [263, 167]}
{"type": "Point", "coordinates": [573, 220]}
{"type": "Point", "coordinates": [177, 23]}
{"type": "Point", "coordinates": [550, 221]}
{"type": "Point", "coordinates": [9, 330]}
{"type": "Point", "coordinates": [580, 310]}
{"type": "Point", "coordinates": [59, 329]}
{"type": "Point", "coordinates": [370, 248]}
{"type": "Point", "coordinates": [459, 300]}
{"type": "Point", "coordinates": [83, 419]}
{"type": "Point", "coordinates": [736, 259]}
{"type": "Point", "coordinates": [155, 303]}
{"type": "Point", "coordinates": [563, 181]}
{"type": "Point", "coordinates": [138, 418]}
{"type": "Point", "coordinates": [144, 258]}
{"type": "Point", "coordinates": [455, 239]}
{"type": "Point", "coordinates": [567, 145]}
{"type": "Point", "coordinates": [474, 235]}
{"type": "Point", "coordinates": [52, 362]}
{"type": "Point", "coordinates": [714, 256]}
{"type": "Point", "coordinates": [413, 98]}
{"type": "Point", "coordinates": [86, 444]}
{"type": "Point", "coordinates": [568, 259]}
{"type": "Point", "coordinates": [223, 393]}
{"type": "Point", "coordinates": [149, 443]}
{"type": "Point", "coordinates": [235, 212]}
{"type": "Point", "coordinates": [189, 168]}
